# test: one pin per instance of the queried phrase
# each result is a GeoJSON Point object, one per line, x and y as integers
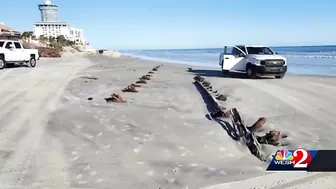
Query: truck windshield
{"type": "Point", "coordinates": [259, 50]}
{"type": "Point", "coordinates": [1, 43]}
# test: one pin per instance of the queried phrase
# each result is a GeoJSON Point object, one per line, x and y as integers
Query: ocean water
{"type": "Point", "coordinates": [307, 60]}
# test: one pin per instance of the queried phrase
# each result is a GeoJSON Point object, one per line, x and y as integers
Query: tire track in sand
{"type": "Point", "coordinates": [38, 103]}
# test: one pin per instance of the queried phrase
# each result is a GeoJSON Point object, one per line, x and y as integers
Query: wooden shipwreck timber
{"type": "Point", "coordinates": [237, 129]}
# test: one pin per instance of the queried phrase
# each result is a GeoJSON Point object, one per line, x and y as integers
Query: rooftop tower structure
{"type": "Point", "coordinates": [48, 12]}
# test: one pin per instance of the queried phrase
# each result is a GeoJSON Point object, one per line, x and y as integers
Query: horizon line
{"type": "Point", "coordinates": [198, 48]}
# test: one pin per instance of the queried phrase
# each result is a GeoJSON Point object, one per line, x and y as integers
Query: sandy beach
{"type": "Point", "coordinates": [52, 136]}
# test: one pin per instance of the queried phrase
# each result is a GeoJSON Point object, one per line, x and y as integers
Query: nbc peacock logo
{"type": "Point", "coordinates": [284, 155]}
{"type": "Point", "coordinates": [290, 160]}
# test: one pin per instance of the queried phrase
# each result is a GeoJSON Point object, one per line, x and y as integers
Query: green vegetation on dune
{"type": "Point", "coordinates": [57, 43]}
{"type": "Point", "coordinates": [49, 46]}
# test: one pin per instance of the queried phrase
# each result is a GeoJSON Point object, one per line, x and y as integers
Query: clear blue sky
{"type": "Point", "coordinates": [150, 24]}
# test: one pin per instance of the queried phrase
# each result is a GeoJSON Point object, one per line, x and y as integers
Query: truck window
{"type": "Point", "coordinates": [2, 43]}
{"type": "Point", "coordinates": [259, 50]}
{"type": "Point", "coordinates": [8, 45]}
{"type": "Point", "coordinates": [242, 48]}
{"type": "Point", "coordinates": [17, 45]}
{"type": "Point", "coordinates": [235, 51]}
{"type": "Point", "coordinates": [228, 50]}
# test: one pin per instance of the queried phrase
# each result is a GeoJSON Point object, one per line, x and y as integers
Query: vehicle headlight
{"type": "Point", "coordinates": [254, 61]}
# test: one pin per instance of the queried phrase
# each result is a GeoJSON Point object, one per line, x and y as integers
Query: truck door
{"type": "Point", "coordinates": [19, 52]}
{"type": "Point", "coordinates": [241, 58]}
{"type": "Point", "coordinates": [233, 58]}
{"type": "Point", "coordinates": [9, 52]}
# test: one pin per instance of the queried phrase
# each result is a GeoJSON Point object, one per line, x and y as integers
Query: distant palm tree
{"type": "Point", "coordinates": [52, 42]}
{"type": "Point", "coordinates": [61, 39]}
{"type": "Point", "coordinates": [24, 36]}
{"type": "Point", "coordinates": [43, 39]}
{"type": "Point", "coordinates": [27, 35]}
{"type": "Point", "coordinates": [30, 35]}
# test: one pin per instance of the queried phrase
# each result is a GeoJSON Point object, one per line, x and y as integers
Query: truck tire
{"type": "Point", "coordinates": [280, 76]}
{"type": "Point", "coordinates": [2, 62]}
{"type": "Point", "coordinates": [225, 71]}
{"type": "Point", "coordinates": [32, 62]}
{"type": "Point", "coordinates": [250, 73]}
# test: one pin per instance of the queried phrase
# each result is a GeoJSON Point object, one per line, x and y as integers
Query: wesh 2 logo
{"type": "Point", "coordinates": [298, 159]}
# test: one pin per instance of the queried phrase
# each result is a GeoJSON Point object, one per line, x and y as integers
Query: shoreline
{"type": "Point", "coordinates": [213, 67]}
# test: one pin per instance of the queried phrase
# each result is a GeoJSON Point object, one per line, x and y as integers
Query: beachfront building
{"type": "Point", "coordinates": [7, 32]}
{"type": "Point", "coordinates": [77, 35]}
{"type": "Point", "coordinates": [50, 26]}
{"type": "Point", "coordinates": [51, 29]}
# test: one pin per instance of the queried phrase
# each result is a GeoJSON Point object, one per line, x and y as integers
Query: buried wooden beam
{"type": "Point", "coordinates": [258, 124]}
{"type": "Point", "coordinates": [145, 77]}
{"type": "Point", "coordinates": [206, 84]}
{"type": "Point", "coordinates": [208, 87]}
{"type": "Point", "coordinates": [199, 78]}
{"type": "Point", "coordinates": [130, 88]}
{"type": "Point", "coordinates": [217, 110]}
{"type": "Point", "coordinates": [221, 114]}
{"type": "Point", "coordinates": [141, 81]}
{"type": "Point", "coordinates": [89, 77]}
{"type": "Point", "coordinates": [241, 132]}
{"type": "Point", "coordinates": [115, 98]}
{"type": "Point", "coordinates": [221, 97]}
{"type": "Point", "coordinates": [135, 85]}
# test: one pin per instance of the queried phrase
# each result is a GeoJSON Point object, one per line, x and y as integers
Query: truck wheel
{"type": "Point", "coordinates": [2, 63]}
{"type": "Point", "coordinates": [32, 62]}
{"type": "Point", "coordinates": [280, 76]}
{"type": "Point", "coordinates": [250, 73]}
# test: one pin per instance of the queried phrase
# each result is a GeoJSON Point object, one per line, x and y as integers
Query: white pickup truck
{"type": "Point", "coordinates": [254, 60]}
{"type": "Point", "coordinates": [12, 52]}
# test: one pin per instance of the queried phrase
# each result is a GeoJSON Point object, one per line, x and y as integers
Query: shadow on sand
{"type": "Point", "coordinates": [212, 106]}
{"type": "Point", "coordinates": [16, 66]}
{"type": "Point", "coordinates": [219, 73]}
